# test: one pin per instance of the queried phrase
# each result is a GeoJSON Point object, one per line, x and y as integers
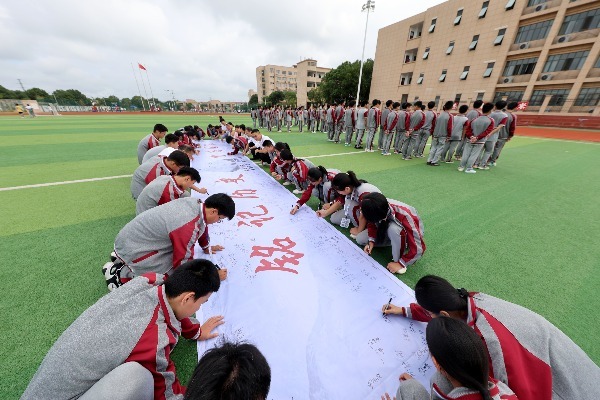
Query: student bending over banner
{"type": "Point", "coordinates": [167, 188]}
{"type": "Point", "coordinates": [155, 167]}
{"type": "Point", "coordinates": [320, 187]}
{"type": "Point", "coordinates": [526, 352]}
{"type": "Point", "coordinates": [120, 348]}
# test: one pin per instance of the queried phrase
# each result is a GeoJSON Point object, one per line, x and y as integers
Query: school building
{"type": "Point", "coordinates": [299, 78]}
{"type": "Point", "coordinates": [545, 53]}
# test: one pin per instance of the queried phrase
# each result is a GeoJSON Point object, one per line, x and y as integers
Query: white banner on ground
{"type": "Point", "coordinates": [304, 294]}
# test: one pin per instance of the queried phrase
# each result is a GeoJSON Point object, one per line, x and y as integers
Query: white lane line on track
{"type": "Point", "coordinates": [64, 182]}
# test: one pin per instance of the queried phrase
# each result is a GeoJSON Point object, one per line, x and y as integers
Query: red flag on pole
{"type": "Point", "coordinates": [141, 66]}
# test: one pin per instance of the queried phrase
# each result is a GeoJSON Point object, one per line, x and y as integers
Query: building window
{"type": "Point", "coordinates": [597, 65]}
{"type": "Point", "coordinates": [565, 62]}
{"type": "Point", "coordinates": [458, 17]}
{"type": "Point", "coordinates": [510, 5]}
{"type": "Point", "coordinates": [524, 66]}
{"type": "Point", "coordinates": [443, 75]}
{"type": "Point", "coordinates": [406, 79]}
{"type": "Point", "coordinates": [580, 22]}
{"type": "Point", "coordinates": [465, 73]}
{"type": "Point", "coordinates": [457, 97]}
{"type": "Point", "coordinates": [532, 3]}
{"type": "Point", "coordinates": [484, 8]}
{"type": "Point", "coordinates": [426, 54]}
{"type": "Point", "coordinates": [432, 26]}
{"type": "Point", "coordinates": [500, 37]}
{"type": "Point", "coordinates": [531, 32]}
{"type": "Point", "coordinates": [450, 48]}
{"type": "Point", "coordinates": [588, 97]}
{"type": "Point", "coordinates": [420, 80]}
{"type": "Point", "coordinates": [510, 96]}
{"type": "Point", "coordinates": [558, 97]}
{"type": "Point", "coordinates": [473, 44]}
{"type": "Point", "coordinates": [480, 96]}
{"type": "Point", "coordinates": [488, 71]}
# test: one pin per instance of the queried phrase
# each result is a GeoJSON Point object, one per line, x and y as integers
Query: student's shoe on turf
{"type": "Point", "coordinates": [386, 154]}
{"type": "Point", "coordinates": [434, 164]}
{"type": "Point", "coordinates": [371, 151]}
{"type": "Point", "coordinates": [113, 256]}
{"type": "Point", "coordinates": [346, 144]}
{"type": "Point", "coordinates": [470, 171]}
{"type": "Point", "coordinates": [353, 236]}
{"type": "Point", "coordinates": [287, 183]}
{"type": "Point", "coordinates": [428, 162]}
{"type": "Point", "coordinates": [407, 158]}
{"type": "Point", "coordinates": [485, 168]}
{"type": "Point", "coordinates": [330, 140]}
{"type": "Point", "coordinates": [358, 146]}
{"type": "Point", "coordinates": [492, 164]}
{"type": "Point", "coordinates": [457, 158]}
{"type": "Point", "coordinates": [461, 169]}
{"type": "Point", "coordinates": [111, 271]}
{"type": "Point", "coordinates": [449, 162]}
{"type": "Point", "coordinates": [296, 191]}
{"type": "Point", "coordinates": [401, 271]}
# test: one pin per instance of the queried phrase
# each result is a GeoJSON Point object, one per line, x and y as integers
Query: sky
{"type": "Point", "coordinates": [192, 49]}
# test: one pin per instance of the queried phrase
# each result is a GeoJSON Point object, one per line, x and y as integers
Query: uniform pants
{"type": "Point", "coordinates": [338, 131]}
{"type": "Point", "coordinates": [423, 138]}
{"type": "Point", "coordinates": [329, 130]}
{"type": "Point", "coordinates": [497, 150]}
{"type": "Point", "coordinates": [278, 124]}
{"type": "Point", "coordinates": [437, 146]}
{"type": "Point", "coordinates": [488, 149]}
{"type": "Point", "coordinates": [449, 148]}
{"type": "Point", "coordinates": [395, 237]}
{"type": "Point", "coordinates": [254, 122]}
{"type": "Point", "coordinates": [461, 147]}
{"type": "Point", "coordinates": [386, 143]}
{"type": "Point", "coordinates": [399, 140]}
{"type": "Point", "coordinates": [349, 134]}
{"type": "Point", "coordinates": [289, 125]}
{"type": "Point", "coordinates": [300, 125]}
{"type": "Point", "coordinates": [359, 136]}
{"type": "Point", "coordinates": [264, 123]}
{"type": "Point", "coordinates": [470, 154]}
{"type": "Point", "coordinates": [410, 143]}
{"type": "Point", "coordinates": [370, 138]}
{"type": "Point", "coordinates": [336, 217]}
{"type": "Point", "coordinates": [129, 381]}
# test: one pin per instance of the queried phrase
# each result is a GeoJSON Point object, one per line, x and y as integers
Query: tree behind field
{"type": "Point", "coordinates": [253, 102]}
{"type": "Point", "coordinates": [291, 99]}
{"type": "Point", "coordinates": [276, 97]}
{"type": "Point", "coordinates": [71, 97]}
{"type": "Point", "coordinates": [341, 82]}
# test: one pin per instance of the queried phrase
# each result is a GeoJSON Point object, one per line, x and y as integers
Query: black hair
{"type": "Point", "coordinates": [186, 148]}
{"type": "Point", "coordinates": [179, 158]}
{"type": "Point", "coordinates": [389, 103]}
{"type": "Point", "coordinates": [198, 276]}
{"type": "Point", "coordinates": [170, 138]}
{"type": "Point", "coordinates": [422, 107]}
{"type": "Point", "coordinates": [179, 134]}
{"type": "Point", "coordinates": [500, 104]}
{"type": "Point", "coordinates": [460, 352]}
{"type": "Point", "coordinates": [286, 155]}
{"type": "Point", "coordinates": [341, 181]}
{"type": "Point", "coordinates": [267, 143]}
{"type": "Point", "coordinates": [230, 372]}
{"type": "Point", "coordinates": [376, 102]}
{"type": "Point", "coordinates": [375, 208]}
{"type": "Point", "coordinates": [418, 103]}
{"type": "Point", "coordinates": [448, 105]}
{"type": "Point", "coordinates": [160, 128]}
{"type": "Point", "coordinates": [512, 106]}
{"type": "Point", "coordinates": [436, 294]}
{"type": "Point", "coordinates": [243, 127]}
{"type": "Point", "coordinates": [396, 104]}
{"type": "Point", "coordinates": [223, 203]}
{"type": "Point", "coordinates": [352, 103]}
{"type": "Point", "coordinates": [255, 131]}
{"type": "Point", "coordinates": [317, 173]}
{"type": "Point", "coordinates": [191, 172]}
{"type": "Point", "coordinates": [363, 103]}
{"type": "Point", "coordinates": [431, 104]}
{"type": "Point", "coordinates": [229, 139]}
{"type": "Point", "coordinates": [463, 109]}
{"type": "Point", "coordinates": [279, 146]}
{"type": "Point", "coordinates": [406, 105]}
{"type": "Point", "coordinates": [487, 107]}
{"type": "Point", "coordinates": [477, 103]}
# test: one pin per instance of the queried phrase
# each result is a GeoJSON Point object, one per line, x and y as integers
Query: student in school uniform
{"type": "Point", "coordinates": [253, 116]}
{"type": "Point", "coordinates": [373, 121]}
{"type": "Point", "coordinates": [155, 167]}
{"type": "Point", "coordinates": [300, 119]}
{"type": "Point", "coordinates": [413, 133]}
{"type": "Point", "coordinates": [238, 144]}
{"type": "Point", "coordinates": [279, 169]}
{"type": "Point", "coordinates": [298, 170]}
{"type": "Point", "coordinates": [167, 188]}
{"type": "Point", "coordinates": [151, 140]}
{"type": "Point", "coordinates": [441, 132]}
{"type": "Point", "coordinates": [389, 128]}
{"type": "Point", "coordinates": [120, 347]}
{"type": "Point", "coordinates": [346, 207]}
{"type": "Point", "coordinates": [256, 143]}
{"type": "Point", "coordinates": [477, 132]}
{"type": "Point", "coordinates": [323, 116]}
{"type": "Point", "coordinates": [171, 141]}
{"type": "Point", "coordinates": [463, 370]}
{"type": "Point", "coordinates": [319, 186]}
{"type": "Point", "coordinates": [338, 120]}
{"type": "Point", "coordinates": [384, 115]}
{"type": "Point", "coordinates": [312, 119]}
{"type": "Point", "coordinates": [426, 130]}
{"type": "Point", "coordinates": [361, 123]}
{"type": "Point", "coordinates": [349, 122]}
{"type": "Point", "coordinates": [329, 129]}
{"type": "Point", "coordinates": [459, 122]}
{"type": "Point", "coordinates": [289, 116]}
{"type": "Point", "coordinates": [525, 351]}
{"type": "Point", "coordinates": [162, 238]}
{"type": "Point", "coordinates": [392, 223]}
{"type": "Point", "coordinates": [471, 115]}
{"type": "Point", "coordinates": [500, 120]}
{"type": "Point", "coordinates": [506, 133]}
{"type": "Point", "coordinates": [401, 127]}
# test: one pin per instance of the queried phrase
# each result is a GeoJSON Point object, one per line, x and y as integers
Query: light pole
{"type": "Point", "coordinates": [368, 7]}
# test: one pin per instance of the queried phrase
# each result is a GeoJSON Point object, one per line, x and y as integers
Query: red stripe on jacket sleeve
{"type": "Point", "coordinates": [183, 243]}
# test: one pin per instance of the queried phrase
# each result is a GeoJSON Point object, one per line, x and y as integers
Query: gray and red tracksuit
{"type": "Point", "coordinates": [162, 238]}
{"type": "Point", "coordinates": [527, 353]}
{"type": "Point", "coordinates": [389, 127]}
{"type": "Point", "coordinates": [239, 144]}
{"type": "Point", "coordinates": [417, 119]}
{"type": "Point", "coordinates": [401, 127]}
{"type": "Point", "coordinates": [146, 144]}
{"type": "Point", "coordinates": [373, 121]}
{"type": "Point", "coordinates": [349, 124]}
{"type": "Point", "coordinates": [132, 324]}
{"type": "Point", "coordinates": [146, 173]}
{"type": "Point", "coordinates": [471, 115]}
{"type": "Point", "coordinates": [351, 203]}
{"type": "Point", "coordinates": [480, 128]}
{"type": "Point", "coordinates": [323, 191]}
{"type": "Point", "coordinates": [441, 133]}
{"type": "Point", "coordinates": [338, 122]}
{"type": "Point", "coordinates": [426, 131]}
{"type": "Point", "coordinates": [458, 124]}
{"type": "Point", "coordinates": [280, 167]}
{"type": "Point", "coordinates": [505, 135]}
{"type": "Point", "coordinates": [160, 191]}
{"type": "Point", "coordinates": [384, 115]}
{"type": "Point", "coordinates": [298, 173]}
{"type": "Point", "coordinates": [441, 388]}
{"type": "Point", "coordinates": [500, 118]}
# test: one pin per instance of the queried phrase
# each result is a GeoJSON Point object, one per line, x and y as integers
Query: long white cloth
{"type": "Point", "coordinates": [305, 295]}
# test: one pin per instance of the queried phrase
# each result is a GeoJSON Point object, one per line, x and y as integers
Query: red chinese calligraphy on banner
{"type": "Point", "coordinates": [244, 194]}
{"type": "Point", "coordinates": [284, 246]}
{"type": "Point", "coordinates": [257, 221]}
{"type": "Point", "coordinates": [239, 179]}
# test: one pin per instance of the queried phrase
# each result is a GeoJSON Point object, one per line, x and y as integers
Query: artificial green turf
{"type": "Point", "coordinates": [526, 231]}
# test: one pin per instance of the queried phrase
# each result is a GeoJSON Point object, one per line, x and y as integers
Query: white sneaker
{"type": "Point", "coordinates": [461, 169]}
{"type": "Point", "coordinates": [470, 171]}
{"type": "Point", "coordinates": [296, 191]}
{"type": "Point", "coordinates": [287, 183]}
{"type": "Point", "coordinates": [401, 271]}
{"type": "Point", "coordinates": [353, 236]}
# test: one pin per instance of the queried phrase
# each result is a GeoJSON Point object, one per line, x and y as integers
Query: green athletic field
{"type": "Point", "coordinates": [526, 231]}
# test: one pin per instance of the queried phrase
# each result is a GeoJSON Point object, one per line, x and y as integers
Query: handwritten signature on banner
{"type": "Point", "coordinates": [258, 222]}
{"type": "Point", "coordinates": [284, 246]}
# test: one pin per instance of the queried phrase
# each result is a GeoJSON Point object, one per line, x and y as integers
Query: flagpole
{"type": "Point", "coordinates": [138, 86]}
{"type": "Point", "coordinates": [144, 86]}
{"type": "Point", "coordinates": [151, 94]}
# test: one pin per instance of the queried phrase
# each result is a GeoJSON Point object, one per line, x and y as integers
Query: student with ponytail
{"type": "Point", "coordinates": [346, 207]}
{"type": "Point", "coordinates": [526, 352]}
{"type": "Point", "coordinates": [392, 223]}
{"type": "Point", "coordinates": [279, 169]}
{"type": "Point", "coordinates": [462, 367]}
{"type": "Point", "coordinates": [298, 170]}
{"type": "Point", "coordinates": [319, 186]}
